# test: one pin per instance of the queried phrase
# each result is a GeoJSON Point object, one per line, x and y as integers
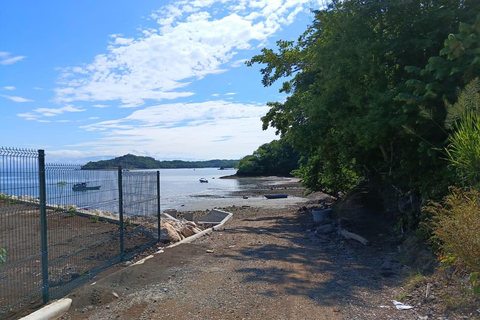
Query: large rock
{"type": "Point", "coordinates": [188, 230]}
{"type": "Point", "coordinates": [173, 234]}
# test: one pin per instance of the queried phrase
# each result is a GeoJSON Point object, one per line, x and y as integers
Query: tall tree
{"type": "Point", "coordinates": [344, 74]}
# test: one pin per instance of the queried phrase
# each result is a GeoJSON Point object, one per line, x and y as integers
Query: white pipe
{"type": "Point", "coordinates": [51, 311]}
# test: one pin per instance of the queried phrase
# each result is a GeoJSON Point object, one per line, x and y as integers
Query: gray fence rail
{"type": "Point", "coordinates": [60, 225]}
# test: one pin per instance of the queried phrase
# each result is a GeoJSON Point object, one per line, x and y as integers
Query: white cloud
{"type": "Point", "coordinates": [161, 129]}
{"type": "Point", "coordinates": [238, 63]}
{"type": "Point", "coordinates": [16, 99]}
{"type": "Point", "coordinates": [36, 114]}
{"type": "Point", "coordinates": [215, 95]}
{"type": "Point", "coordinates": [188, 43]}
{"type": "Point", "coordinates": [93, 118]}
{"type": "Point", "coordinates": [230, 93]}
{"type": "Point", "coordinates": [5, 58]}
{"type": "Point", "coordinates": [100, 106]}
{"type": "Point", "coordinates": [9, 88]}
{"type": "Point", "coordinates": [37, 88]}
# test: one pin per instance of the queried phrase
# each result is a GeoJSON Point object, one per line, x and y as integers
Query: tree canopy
{"type": "Point", "coordinates": [274, 158]}
{"type": "Point", "coordinates": [367, 85]}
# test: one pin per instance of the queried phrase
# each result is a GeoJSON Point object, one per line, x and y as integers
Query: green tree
{"type": "Point", "coordinates": [343, 76]}
{"type": "Point", "coordinates": [3, 256]}
{"type": "Point", "coordinates": [274, 158]}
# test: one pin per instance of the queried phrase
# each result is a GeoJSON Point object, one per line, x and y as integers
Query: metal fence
{"type": "Point", "coordinates": [60, 225]}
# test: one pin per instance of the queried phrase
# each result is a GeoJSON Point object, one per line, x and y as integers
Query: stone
{"type": "Point", "coordinates": [191, 223]}
{"type": "Point", "coordinates": [173, 234]}
{"type": "Point", "coordinates": [387, 265]}
{"type": "Point", "coordinates": [187, 231]}
{"type": "Point", "coordinates": [324, 229]}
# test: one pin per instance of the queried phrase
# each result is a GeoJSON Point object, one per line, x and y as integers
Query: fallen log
{"type": "Point", "coordinates": [351, 235]}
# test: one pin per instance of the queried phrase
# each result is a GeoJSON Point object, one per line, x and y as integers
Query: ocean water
{"type": "Point", "coordinates": [182, 186]}
{"type": "Point", "coordinates": [177, 186]}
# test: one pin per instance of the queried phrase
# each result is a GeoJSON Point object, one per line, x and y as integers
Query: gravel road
{"type": "Point", "coordinates": [265, 264]}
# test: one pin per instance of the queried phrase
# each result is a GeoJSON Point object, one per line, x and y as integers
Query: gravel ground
{"type": "Point", "coordinates": [264, 264]}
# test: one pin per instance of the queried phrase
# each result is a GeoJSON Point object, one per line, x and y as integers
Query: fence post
{"type": "Point", "coordinates": [120, 210]}
{"type": "Point", "coordinates": [158, 205]}
{"type": "Point", "coordinates": [43, 224]}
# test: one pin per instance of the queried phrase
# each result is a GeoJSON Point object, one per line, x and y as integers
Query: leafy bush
{"type": "Point", "coordinates": [3, 256]}
{"type": "Point", "coordinates": [456, 225]}
{"type": "Point", "coordinates": [464, 148]}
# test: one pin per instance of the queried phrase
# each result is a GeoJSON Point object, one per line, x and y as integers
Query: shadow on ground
{"type": "Point", "coordinates": [289, 258]}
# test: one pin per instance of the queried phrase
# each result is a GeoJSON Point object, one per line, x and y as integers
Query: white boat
{"type": "Point", "coordinates": [203, 180]}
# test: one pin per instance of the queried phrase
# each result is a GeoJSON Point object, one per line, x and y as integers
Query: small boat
{"type": "Point", "coordinates": [203, 180]}
{"type": "Point", "coordinates": [83, 187]}
{"type": "Point", "coordinates": [275, 196]}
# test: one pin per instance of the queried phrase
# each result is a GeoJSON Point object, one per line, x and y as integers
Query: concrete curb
{"type": "Point", "coordinates": [51, 311]}
{"type": "Point", "coordinates": [57, 308]}
{"type": "Point", "coordinates": [204, 232]}
{"type": "Point", "coordinates": [189, 239]}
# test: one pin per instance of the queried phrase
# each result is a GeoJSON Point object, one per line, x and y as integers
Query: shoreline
{"type": "Point", "coordinates": [253, 197]}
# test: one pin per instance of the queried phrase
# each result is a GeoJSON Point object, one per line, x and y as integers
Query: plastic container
{"type": "Point", "coordinates": [320, 215]}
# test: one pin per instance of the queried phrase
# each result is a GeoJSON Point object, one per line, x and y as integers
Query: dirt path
{"type": "Point", "coordinates": [265, 264]}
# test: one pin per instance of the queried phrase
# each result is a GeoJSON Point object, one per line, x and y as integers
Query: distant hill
{"type": "Point", "coordinates": [130, 161]}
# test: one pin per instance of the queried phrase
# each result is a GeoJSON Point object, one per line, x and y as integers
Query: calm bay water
{"type": "Point", "coordinates": [181, 186]}
{"type": "Point", "coordinates": [178, 186]}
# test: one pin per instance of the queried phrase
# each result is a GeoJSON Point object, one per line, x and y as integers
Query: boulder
{"type": "Point", "coordinates": [172, 232]}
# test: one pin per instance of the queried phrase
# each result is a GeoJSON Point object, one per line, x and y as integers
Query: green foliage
{"type": "Point", "coordinates": [464, 148]}
{"type": "Point", "coordinates": [360, 74]}
{"type": "Point", "coordinates": [3, 256]}
{"type": "Point", "coordinates": [474, 279]}
{"type": "Point", "coordinates": [455, 224]}
{"type": "Point", "coordinates": [274, 158]}
{"type": "Point", "coordinates": [8, 199]}
{"type": "Point", "coordinates": [95, 218]}
{"type": "Point", "coordinates": [131, 161]}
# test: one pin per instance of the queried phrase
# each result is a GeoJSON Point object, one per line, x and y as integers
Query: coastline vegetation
{"type": "Point", "coordinates": [130, 161]}
{"type": "Point", "coordinates": [386, 93]}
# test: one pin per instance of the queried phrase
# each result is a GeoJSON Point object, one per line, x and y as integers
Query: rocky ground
{"type": "Point", "coordinates": [272, 264]}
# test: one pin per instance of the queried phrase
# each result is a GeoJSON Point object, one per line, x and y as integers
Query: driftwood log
{"type": "Point", "coordinates": [351, 235]}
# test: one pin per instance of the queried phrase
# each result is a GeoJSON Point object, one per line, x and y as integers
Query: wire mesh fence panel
{"type": "Point", "coordinates": [60, 225]}
{"type": "Point", "coordinates": [20, 242]}
{"type": "Point", "coordinates": [140, 210]}
{"type": "Point", "coordinates": [82, 224]}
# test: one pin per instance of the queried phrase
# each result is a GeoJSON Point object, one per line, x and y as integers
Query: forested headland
{"type": "Point", "coordinates": [131, 161]}
{"type": "Point", "coordinates": [385, 92]}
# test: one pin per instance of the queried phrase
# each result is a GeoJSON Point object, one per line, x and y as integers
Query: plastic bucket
{"type": "Point", "coordinates": [320, 215]}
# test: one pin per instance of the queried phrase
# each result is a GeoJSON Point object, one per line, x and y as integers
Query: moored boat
{"type": "Point", "coordinates": [275, 196]}
{"type": "Point", "coordinates": [203, 180]}
{"type": "Point", "coordinates": [83, 186]}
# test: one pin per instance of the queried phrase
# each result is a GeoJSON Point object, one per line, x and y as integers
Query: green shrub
{"type": "Point", "coordinates": [3, 256]}
{"type": "Point", "coordinates": [95, 218]}
{"type": "Point", "coordinates": [456, 224]}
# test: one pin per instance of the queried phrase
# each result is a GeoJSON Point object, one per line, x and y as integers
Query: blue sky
{"type": "Point", "coordinates": [88, 80]}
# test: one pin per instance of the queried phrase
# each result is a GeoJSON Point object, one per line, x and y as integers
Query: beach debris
{"type": "Point", "coordinates": [400, 306]}
{"type": "Point", "coordinates": [115, 294]}
{"type": "Point", "coordinates": [351, 235]}
{"type": "Point", "coordinates": [209, 251]}
{"type": "Point", "coordinates": [428, 290]}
